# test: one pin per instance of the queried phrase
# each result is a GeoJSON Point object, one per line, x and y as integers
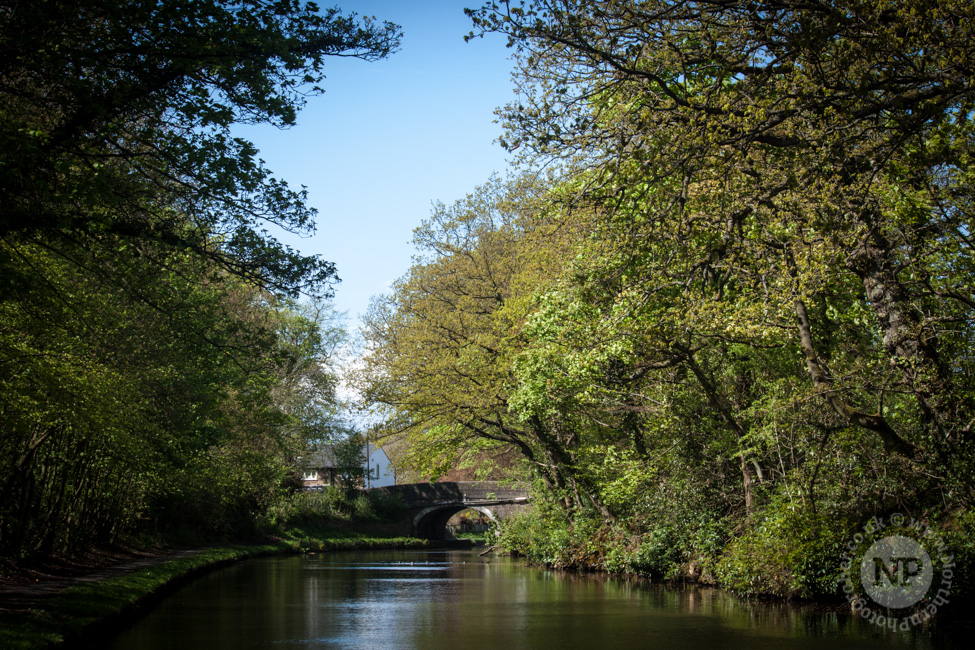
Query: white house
{"type": "Point", "coordinates": [379, 471]}
{"type": "Point", "coordinates": [321, 468]}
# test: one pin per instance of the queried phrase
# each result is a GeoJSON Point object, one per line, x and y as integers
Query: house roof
{"type": "Point", "coordinates": [324, 456]}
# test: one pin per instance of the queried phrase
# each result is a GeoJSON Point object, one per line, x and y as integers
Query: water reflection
{"type": "Point", "coordinates": [433, 600]}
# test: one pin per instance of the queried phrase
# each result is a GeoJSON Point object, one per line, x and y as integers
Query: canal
{"type": "Point", "coordinates": [431, 600]}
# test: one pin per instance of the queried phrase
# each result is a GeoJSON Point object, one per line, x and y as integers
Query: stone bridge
{"type": "Point", "coordinates": [432, 504]}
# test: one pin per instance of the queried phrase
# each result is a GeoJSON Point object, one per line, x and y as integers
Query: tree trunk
{"type": "Point", "coordinates": [904, 339]}
{"type": "Point", "coordinates": [876, 423]}
{"type": "Point", "coordinates": [714, 398]}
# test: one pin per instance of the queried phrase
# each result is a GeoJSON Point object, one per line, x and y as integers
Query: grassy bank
{"type": "Point", "coordinates": [87, 610]}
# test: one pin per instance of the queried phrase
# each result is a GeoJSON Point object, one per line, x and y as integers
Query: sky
{"type": "Point", "coordinates": [389, 138]}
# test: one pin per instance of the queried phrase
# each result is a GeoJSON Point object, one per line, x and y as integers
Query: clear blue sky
{"type": "Point", "coordinates": [390, 137]}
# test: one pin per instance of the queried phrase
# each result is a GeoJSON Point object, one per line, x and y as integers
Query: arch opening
{"type": "Point", "coordinates": [432, 523]}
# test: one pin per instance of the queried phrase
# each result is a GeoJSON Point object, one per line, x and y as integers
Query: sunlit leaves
{"type": "Point", "coordinates": [134, 392]}
{"type": "Point", "coordinates": [112, 114]}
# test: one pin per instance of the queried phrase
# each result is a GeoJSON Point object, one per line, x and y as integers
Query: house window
{"type": "Point", "coordinates": [311, 475]}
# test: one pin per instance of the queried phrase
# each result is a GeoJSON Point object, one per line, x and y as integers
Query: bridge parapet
{"type": "Point", "coordinates": [432, 504]}
{"type": "Point", "coordinates": [420, 495]}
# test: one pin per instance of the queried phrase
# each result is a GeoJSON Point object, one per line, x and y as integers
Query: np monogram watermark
{"type": "Point", "coordinates": [896, 572]}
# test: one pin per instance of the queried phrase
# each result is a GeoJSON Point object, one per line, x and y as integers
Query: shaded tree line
{"type": "Point", "coordinates": [157, 368]}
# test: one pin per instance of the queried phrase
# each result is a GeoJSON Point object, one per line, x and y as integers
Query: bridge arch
{"type": "Point", "coordinates": [431, 522]}
{"type": "Point", "coordinates": [430, 505]}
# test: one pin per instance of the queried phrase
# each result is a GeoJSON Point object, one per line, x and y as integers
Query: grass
{"type": "Point", "coordinates": [89, 609]}
{"type": "Point", "coordinates": [481, 536]}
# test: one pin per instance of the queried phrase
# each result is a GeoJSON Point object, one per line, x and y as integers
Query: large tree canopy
{"type": "Point", "coordinates": [439, 348]}
{"type": "Point", "coordinates": [156, 371]}
{"type": "Point", "coordinates": [805, 143]}
{"type": "Point", "coordinates": [761, 326]}
{"type": "Point", "coordinates": [116, 121]}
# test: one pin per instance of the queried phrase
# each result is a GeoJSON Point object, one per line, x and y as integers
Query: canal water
{"type": "Point", "coordinates": [406, 600]}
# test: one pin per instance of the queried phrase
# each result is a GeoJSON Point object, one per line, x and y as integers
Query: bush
{"type": "Point", "coordinates": [958, 534]}
{"type": "Point", "coordinates": [387, 507]}
{"type": "Point", "coordinates": [655, 553]}
{"type": "Point", "coordinates": [362, 509]}
{"type": "Point", "coordinates": [790, 552]}
{"type": "Point", "coordinates": [333, 505]}
{"type": "Point", "coordinates": [540, 538]}
{"type": "Point", "coordinates": [675, 550]}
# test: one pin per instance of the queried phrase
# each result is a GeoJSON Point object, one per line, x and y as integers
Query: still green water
{"type": "Point", "coordinates": [456, 600]}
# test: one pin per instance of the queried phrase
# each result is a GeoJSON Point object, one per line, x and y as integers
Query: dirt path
{"type": "Point", "coordinates": [25, 588]}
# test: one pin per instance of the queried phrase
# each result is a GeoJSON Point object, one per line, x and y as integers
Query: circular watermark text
{"type": "Point", "coordinates": [896, 572]}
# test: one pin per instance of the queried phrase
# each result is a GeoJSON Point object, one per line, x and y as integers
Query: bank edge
{"type": "Point", "coordinates": [91, 612]}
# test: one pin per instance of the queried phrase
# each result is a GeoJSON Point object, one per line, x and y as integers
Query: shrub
{"type": "Point", "coordinates": [790, 552]}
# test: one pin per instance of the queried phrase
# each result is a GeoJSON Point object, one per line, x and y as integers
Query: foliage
{"type": "Point", "coordinates": [440, 349]}
{"type": "Point", "coordinates": [779, 160]}
{"type": "Point", "coordinates": [375, 505]}
{"type": "Point", "coordinates": [550, 540]}
{"type": "Point", "coordinates": [790, 553]}
{"type": "Point", "coordinates": [166, 404]}
{"type": "Point", "coordinates": [958, 532]}
{"type": "Point", "coordinates": [734, 316]}
{"type": "Point", "coordinates": [334, 507]}
{"type": "Point", "coordinates": [156, 369]}
{"type": "Point", "coordinates": [117, 124]}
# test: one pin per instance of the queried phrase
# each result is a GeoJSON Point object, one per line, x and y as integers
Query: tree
{"type": "Point", "coordinates": [350, 461]}
{"type": "Point", "coordinates": [439, 348]}
{"type": "Point", "coordinates": [116, 123]}
{"type": "Point", "coordinates": [766, 210]}
{"type": "Point", "coordinates": [435, 357]}
{"type": "Point", "coordinates": [808, 145]}
{"type": "Point", "coordinates": [171, 401]}
{"type": "Point", "coordinates": [155, 369]}
{"type": "Point", "coordinates": [311, 338]}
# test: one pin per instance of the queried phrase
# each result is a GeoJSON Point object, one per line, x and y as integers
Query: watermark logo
{"type": "Point", "coordinates": [896, 572]}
